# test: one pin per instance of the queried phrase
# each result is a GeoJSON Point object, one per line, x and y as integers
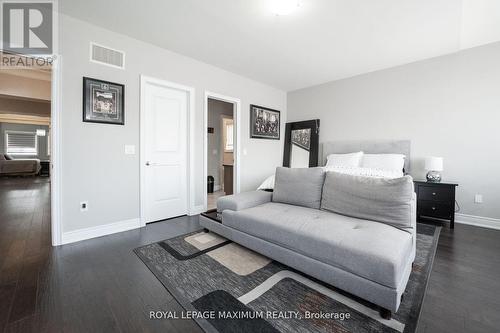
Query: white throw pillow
{"type": "Point", "coordinates": [344, 160]}
{"type": "Point", "coordinates": [267, 184]}
{"type": "Point", "coordinates": [389, 162]}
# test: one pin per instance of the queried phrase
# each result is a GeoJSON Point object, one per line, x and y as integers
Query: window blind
{"type": "Point", "coordinates": [21, 143]}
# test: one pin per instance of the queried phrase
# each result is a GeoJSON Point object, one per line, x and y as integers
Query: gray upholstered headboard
{"type": "Point", "coordinates": [368, 147]}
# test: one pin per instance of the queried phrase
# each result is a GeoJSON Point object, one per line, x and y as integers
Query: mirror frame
{"type": "Point", "coordinates": [314, 150]}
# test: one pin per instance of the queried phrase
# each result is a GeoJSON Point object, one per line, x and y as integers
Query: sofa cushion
{"type": "Point", "coordinates": [243, 200]}
{"type": "Point", "coordinates": [377, 199]}
{"type": "Point", "coordinates": [31, 166]}
{"type": "Point", "coordinates": [372, 250]}
{"type": "Point", "coordinates": [299, 186]}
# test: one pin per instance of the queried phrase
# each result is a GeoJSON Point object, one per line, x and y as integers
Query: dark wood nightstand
{"type": "Point", "coordinates": [436, 201]}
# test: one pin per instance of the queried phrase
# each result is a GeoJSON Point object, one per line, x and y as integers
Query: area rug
{"type": "Point", "coordinates": [228, 288]}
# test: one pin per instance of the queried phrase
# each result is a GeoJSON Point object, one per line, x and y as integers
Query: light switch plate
{"type": "Point", "coordinates": [129, 150]}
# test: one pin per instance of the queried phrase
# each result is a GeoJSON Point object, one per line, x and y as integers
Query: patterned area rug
{"type": "Point", "coordinates": [228, 288]}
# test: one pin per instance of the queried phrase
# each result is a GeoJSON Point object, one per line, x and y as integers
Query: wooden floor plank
{"type": "Point", "coordinates": [100, 285]}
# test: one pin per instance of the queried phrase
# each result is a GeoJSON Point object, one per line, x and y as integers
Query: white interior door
{"type": "Point", "coordinates": [165, 158]}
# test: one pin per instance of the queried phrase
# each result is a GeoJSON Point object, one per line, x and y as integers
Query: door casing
{"type": "Point", "coordinates": [237, 145]}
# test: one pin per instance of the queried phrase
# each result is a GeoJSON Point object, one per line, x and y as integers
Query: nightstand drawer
{"type": "Point", "coordinates": [434, 193]}
{"type": "Point", "coordinates": [435, 209]}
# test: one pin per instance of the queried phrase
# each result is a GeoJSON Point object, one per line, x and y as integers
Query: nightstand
{"type": "Point", "coordinates": [436, 201]}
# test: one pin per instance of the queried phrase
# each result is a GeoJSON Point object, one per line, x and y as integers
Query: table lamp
{"type": "Point", "coordinates": [434, 166]}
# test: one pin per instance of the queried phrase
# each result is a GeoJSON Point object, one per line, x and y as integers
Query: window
{"type": "Point", "coordinates": [228, 134]}
{"type": "Point", "coordinates": [21, 143]}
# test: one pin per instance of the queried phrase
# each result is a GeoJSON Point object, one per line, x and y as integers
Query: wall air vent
{"type": "Point", "coordinates": [107, 56]}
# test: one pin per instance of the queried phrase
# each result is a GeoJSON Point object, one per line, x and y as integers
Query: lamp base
{"type": "Point", "coordinates": [433, 176]}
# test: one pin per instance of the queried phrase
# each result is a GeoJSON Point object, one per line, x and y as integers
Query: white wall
{"type": "Point", "coordinates": [448, 106]}
{"type": "Point", "coordinates": [94, 166]}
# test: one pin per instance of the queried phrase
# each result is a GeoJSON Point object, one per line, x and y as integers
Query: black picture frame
{"type": "Point", "coordinates": [270, 129]}
{"type": "Point", "coordinates": [109, 96]}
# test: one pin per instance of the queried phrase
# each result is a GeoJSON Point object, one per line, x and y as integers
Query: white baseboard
{"type": "Point", "coordinates": [196, 210]}
{"type": "Point", "coordinates": [100, 230]}
{"type": "Point", "coordinates": [478, 221]}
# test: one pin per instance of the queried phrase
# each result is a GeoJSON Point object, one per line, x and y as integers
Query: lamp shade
{"type": "Point", "coordinates": [433, 163]}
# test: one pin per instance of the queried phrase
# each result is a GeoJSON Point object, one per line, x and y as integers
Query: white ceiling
{"type": "Point", "coordinates": [321, 41]}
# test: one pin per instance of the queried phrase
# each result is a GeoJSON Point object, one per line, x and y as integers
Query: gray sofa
{"type": "Point", "coordinates": [355, 233]}
{"type": "Point", "coordinates": [19, 167]}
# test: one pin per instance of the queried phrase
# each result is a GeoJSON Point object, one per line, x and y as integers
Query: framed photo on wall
{"type": "Point", "coordinates": [264, 123]}
{"type": "Point", "coordinates": [103, 102]}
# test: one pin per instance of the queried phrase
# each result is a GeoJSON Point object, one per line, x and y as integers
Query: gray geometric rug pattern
{"type": "Point", "coordinates": [242, 291]}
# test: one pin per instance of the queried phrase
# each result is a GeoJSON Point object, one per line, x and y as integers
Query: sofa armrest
{"type": "Point", "coordinates": [243, 200]}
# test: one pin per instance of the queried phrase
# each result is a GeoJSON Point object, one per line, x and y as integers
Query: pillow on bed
{"type": "Point", "coordinates": [344, 160]}
{"type": "Point", "coordinates": [267, 184]}
{"type": "Point", "coordinates": [389, 162]}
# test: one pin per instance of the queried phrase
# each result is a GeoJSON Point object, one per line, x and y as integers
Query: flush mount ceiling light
{"type": "Point", "coordinates": [284, 7]}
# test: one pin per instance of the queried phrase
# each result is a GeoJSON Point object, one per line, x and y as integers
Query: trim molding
{"type": "Point", "coordinates": [100, 230]}
{"type": "Point", "coordinates": [56, 152]}
{"type": "Point", "coordinates": [195, 210]}
{"type": "Point", "coordinates": [24, 119]}
{"type": "Point", "coordinates": [478, 221]}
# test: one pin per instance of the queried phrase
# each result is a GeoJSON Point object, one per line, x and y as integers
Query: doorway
{"type": "Point", "coordinates": [26, 153]}
{"type": "Point", "coordinates": [165, 175]}
{"type": "Point", "coordinates": [221, 148]}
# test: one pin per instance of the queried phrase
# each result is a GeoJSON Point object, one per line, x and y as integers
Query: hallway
{"type": "Point", "coordinates": [25, 245]}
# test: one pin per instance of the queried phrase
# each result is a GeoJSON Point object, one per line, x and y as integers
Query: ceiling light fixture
{"type": "Point", "coordinates": [284, 7]}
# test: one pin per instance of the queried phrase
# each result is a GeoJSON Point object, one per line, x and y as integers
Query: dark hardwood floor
{"type": "Point", "coordinates": [100, 285]}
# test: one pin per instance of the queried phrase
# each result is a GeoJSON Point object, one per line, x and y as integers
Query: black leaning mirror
{"type": "Point", "coordinates": [301, 144]}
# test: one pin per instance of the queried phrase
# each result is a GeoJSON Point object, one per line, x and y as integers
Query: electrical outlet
{"type": "Point", "coordinates": [84, 206]}
{"type": "Point", "coordinates": [478, 198]}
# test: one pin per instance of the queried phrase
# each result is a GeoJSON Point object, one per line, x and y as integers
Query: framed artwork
{"type": "Point", "coordinates": [302, 138]}
{"type": "Point", "coordinates": [103, 102]}
{"type": "Point", "coordinates": [264, 123]}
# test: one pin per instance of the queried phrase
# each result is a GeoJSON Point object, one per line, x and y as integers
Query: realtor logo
{"type": "Point", "coordinates": [27, 27]}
